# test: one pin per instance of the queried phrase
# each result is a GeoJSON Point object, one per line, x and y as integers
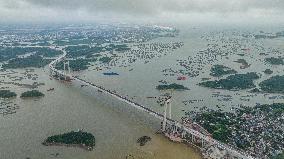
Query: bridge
{"type": "Point", "coordinates": [174, 130]}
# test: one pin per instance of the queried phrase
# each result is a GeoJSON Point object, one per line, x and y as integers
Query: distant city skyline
{"type": "Point", "coordinates": [262, 11]}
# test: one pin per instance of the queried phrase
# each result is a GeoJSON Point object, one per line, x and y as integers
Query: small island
{"type": "Point", "coordinates": [173, 86]}
{"type": "Point", "coordinates": [244, 63]}
{"type": "Point", "coordinates": [105, 59]}
{"type": "Point", "coordinates": [7, 94]}
{"type": "Point", "coordinates": [220, 70]}
{"type": "Point", "coordinates": [74, 138]}
{"type": "Point", "coordinates": [274, 84]}
{"type": "Point", "coordinates": [233, 82]}
{"type": "Point", "coordinates": [275, 61]}
{"type": "Point", "coordinates": [268, 71]}
{"type": "Point", "coordinates": [32, 93]}
{"type": "Point", "coordinates": [143, 140]}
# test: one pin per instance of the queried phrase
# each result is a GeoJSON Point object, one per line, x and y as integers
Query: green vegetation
{"type": "Point", "coordinates": [77, 65]}
{"type": "Point", "coordinates": [31, 61]}
{"type": "Point", "coordinates": [268, 71]}
{"type": "Point", "coordinates": [269, 36]}
{"type": "Point", "coordinates": [80, 138]}
{"type": "Point", "coordinates": [73, 41]}
{"type": "Point", "coordinates": [143, 140]}
{"type": "Point", "coordinates": [105, 59]}
{"type": "Point", "coordinates": [173, 86]}
{"type": "Point", "coordinates": [255, 90]}
{"type": "Point", "coordinates": [275, 61]}
{"type": "Point", "coordinates": [243, 62]}
{"type": "Point", "coordinates": [221, 124]}
{"type": "Point", "coordinates": [265, 36]}
{"type": "Point", "coordinates": [279, 156]}
{"type": "Point", "coordinates": [274, 84]}
{"type": "Point", "coordinates": [119, 48]}
{"type": "Point", "coordinates": [220, 70]}
{"type": "Point", "coordinates": [7, 94]}
{"type": "Point", "coordinates": [217, 123]}
{"type": "Point", "coordinates": [233, 82]}
{"type": "Point", "coordinates": [33, 93]}
{"type": "Point", "coordinates": [83, 50]}
{"type": "Point", "coordinates": [88, 51]}
{"type": "Point", "coordinates": [7, 53]}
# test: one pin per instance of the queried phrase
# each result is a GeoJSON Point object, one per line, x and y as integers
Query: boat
{"type": "Point", "coordinates": [110, 73]}
{"type": "Point", "coordinates": [181, 78]}
{"type": "Point", "coordinates": [151, 97]}
{"type": "Point", "coordinates": [50, 89]}
{"type": "Point", "coordinates": [246, 49]}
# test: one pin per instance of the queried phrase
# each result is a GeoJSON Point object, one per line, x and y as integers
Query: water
{"type": "Point", "coordinates": [142, 81]}
{"type": "Point", "coordinates": [116, 127]}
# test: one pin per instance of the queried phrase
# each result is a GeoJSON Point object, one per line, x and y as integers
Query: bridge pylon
{"type": "Point", "coordinates": [66, 67]}
{"type": "Point", "coordinates": [167, 110]}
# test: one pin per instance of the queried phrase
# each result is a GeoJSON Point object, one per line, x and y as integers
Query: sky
{"type": "Point", "coordinates": [141, 11]}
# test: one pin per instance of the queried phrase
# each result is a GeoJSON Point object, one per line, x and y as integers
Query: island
{"type": "Point", "coordinates": [32, 93]}
{"type": "Point", "coordinates": [74, 138]}
{"type": "Point", "coordinates": [274, 84]}
{"type": "Point", "coordinates": [105, 59]}
{"type": "Point", "coordinates": [172, 86]}
{"type": "Point", "coordinates": [275, 61]}
{"type": "Point", "coordinates": [233, 82]}
{"type": "Point", "coordinates": [220, 70]}
{"type": "Point", "coordinates": [255, 90]}
{"type": "Point", "coordinates": [7, 94]}
{"type": "Point", "coordinates": [268, 71]}
{"type": "Point", "coordinates": [143, 140]}
{"type": "Point", "coordinates": [244, 63]}
{"type": "Point", "coordinates": [90, 51]}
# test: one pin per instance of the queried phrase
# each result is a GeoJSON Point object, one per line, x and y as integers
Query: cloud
{"type": "Point", "coordinates": [139, 10]}
{"type": "Point", "coordinates": [154, 6]}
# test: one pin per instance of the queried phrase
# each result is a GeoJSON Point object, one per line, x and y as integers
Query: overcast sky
{"type": "Point", "coordinates": [141, 10]}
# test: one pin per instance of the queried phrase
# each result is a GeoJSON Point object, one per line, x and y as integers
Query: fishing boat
{"type": "Point", "coordinates": [246, 49]}
{"type": "Point", "coordinates": [181, 78]}
{"type": "Point", "coordinates": [50, 89]}
{"type": "Point", "coordinates": [110, 73]}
